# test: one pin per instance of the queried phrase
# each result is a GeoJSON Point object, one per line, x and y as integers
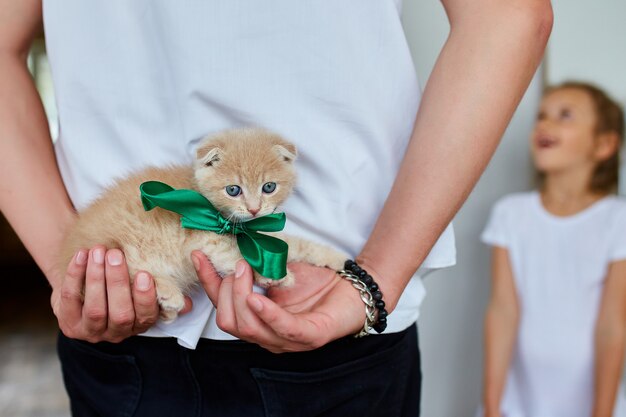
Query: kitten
{"type": "Point", "coordinates": [244, 173]}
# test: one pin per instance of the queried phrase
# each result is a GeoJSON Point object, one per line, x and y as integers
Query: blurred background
{"type": "Point", "coordinates": [588, 42]}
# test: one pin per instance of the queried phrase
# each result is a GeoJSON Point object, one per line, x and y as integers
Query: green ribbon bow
{"type": "Point", "coordinates": [266, 254]}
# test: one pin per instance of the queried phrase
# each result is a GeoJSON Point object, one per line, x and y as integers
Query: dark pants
{"type": "Point", "coordinates": [372, 376]}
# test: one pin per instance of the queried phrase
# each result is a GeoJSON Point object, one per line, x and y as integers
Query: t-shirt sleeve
{"type": "Point", "coordinates": [617, 249]}
{"type": "Point", "coordinates": [497, 232]}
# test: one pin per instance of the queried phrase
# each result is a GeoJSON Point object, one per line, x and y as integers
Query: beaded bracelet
{"type": "Point", "coordinates": [371, 296]}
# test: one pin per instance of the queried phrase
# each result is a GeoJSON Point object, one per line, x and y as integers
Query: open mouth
{"type": "Point", "coordinates": [545, 142]}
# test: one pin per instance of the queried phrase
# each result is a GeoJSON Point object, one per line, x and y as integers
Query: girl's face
{"type": "Point", "coordinates": [564, 135]}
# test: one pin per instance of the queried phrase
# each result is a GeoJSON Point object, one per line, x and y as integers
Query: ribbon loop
{"type": "Point", "coordinates": [266, 254]}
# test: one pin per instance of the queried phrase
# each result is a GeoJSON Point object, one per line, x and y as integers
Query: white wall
{"type": "Point", "coordinates": [451, 320]}
{"type": "Point", "coordinates": [588, 42]}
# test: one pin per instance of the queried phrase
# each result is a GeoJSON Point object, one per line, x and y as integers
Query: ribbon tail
{"type": "Point", "coordinates": [267, 255]}
{"type": "Point", "coordinates": [195, 210]}
{"type": "Point", "coordinates": [188, 223]}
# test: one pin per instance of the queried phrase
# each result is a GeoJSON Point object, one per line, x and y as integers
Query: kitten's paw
{"type": "Point", "coordinates": [171, 300]}
{"type": "Point", "coordinates": [335, 260]}
{"type": "Point", "coordinates": [287, 281]}
{"type": "Point", "coordinates": [168, 316]}
{"type": "Point", "coordinates": [328, 258]}
{"type": "Point", "coordinates": [318, 255]}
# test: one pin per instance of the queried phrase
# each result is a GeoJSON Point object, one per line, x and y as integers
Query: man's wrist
{"type": "Point", "coordinates": [385, 282]}
{"type": "Point", "coordinates": [353, 303]}
{"type": "Point", "coordinates": [491, 402]}
{"type": "Point", "coordinates": [367, 301]}
{"type": "Point", "coordinates": [371, 295]}
{"type": "Point", "coordinates": [599, 411]}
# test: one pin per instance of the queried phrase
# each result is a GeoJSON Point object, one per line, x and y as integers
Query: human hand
{"type": "Point", "coordinates": [110, 310]}
{"type": "Point", "coordinates": [319, 307]}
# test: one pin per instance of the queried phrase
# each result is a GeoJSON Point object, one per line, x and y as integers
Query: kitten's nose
{"type": "Point", "coordinates": [253, 211]}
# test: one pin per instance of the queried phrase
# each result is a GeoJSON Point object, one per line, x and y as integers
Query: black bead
{"type": "Point", "coordinates": [380, 327]}
{"type": "Point", "coordinates": [356, 270]}
{"type": "Point", "coordinates": [373, 287]}
{"type": "Point", "coordinates": [368, 280]}
{"type": "Point", "coordinates": [362, 274]}
{"type": "Point", "coordinates": [380, 304]}
{"type": "Point", "coordinates": [377, 295]}
{"type": "Point", "coordinates": [382, 314]}
{"type": "Point", "coordinates": [381, 320]}
{"type": "Point", "coordinates": [349, 264]}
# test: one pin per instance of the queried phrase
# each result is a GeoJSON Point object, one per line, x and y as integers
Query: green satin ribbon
{"type": "Point", "coordinates": [266, 254]}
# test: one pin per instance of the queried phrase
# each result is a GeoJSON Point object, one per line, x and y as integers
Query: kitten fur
{"type": "Point", "coordinates": [155, 242]}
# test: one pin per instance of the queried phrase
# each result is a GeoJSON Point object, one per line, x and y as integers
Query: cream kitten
{"type": "Point", "coordinates": [245, 173]}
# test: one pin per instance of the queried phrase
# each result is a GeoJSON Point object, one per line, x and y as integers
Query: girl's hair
{"type": "Point", "coordinates": [609, 118]}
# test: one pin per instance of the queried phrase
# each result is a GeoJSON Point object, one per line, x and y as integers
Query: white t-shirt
{"type": "Point", "coordinates": [559, 266]}
{"type": "Point", "coordinates": [140, 82]}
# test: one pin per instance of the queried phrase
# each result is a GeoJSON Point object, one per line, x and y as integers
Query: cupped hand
{"type": "Point", "coordinates": [318, 308]}
{"type": "Point", "coordinates": [96, 302]}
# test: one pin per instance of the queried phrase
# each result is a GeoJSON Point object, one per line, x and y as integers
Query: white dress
{"type": "Point", "coordinates": [559, 266]}
{"type": "Point", "coordinates": [140, 82]}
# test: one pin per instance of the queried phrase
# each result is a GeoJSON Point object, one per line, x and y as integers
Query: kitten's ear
{"type": "Point", "coordinates": [287, 151]}
{"type": "Point", "coordinates": [208, 155]}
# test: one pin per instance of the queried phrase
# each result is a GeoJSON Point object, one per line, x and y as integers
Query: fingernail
{"type": "Point", "coordinates": [196, 262]}
{"type": "Point", "coordinates": [239, 269]}
{"type": "Point", "coordinates": [256, 304]}
{"type": "Point", "coordinates": [143, 281]}
{"type": "Point", "coordinates": [114, 257]}
{"type": "Point", "coordinates": [98, 256]}
{"type": "Point", "coordinates": [81, 257]}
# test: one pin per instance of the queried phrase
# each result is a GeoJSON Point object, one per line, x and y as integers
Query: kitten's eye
{"type": "Point", "coordinates": [269, 187]}
{"type": "Point", "coordinates": [233, 190]}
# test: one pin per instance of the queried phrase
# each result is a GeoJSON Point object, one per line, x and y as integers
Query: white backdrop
{"type": "Point", "coordinates": [589, 43]}
{"type": "Point", "coordinates": [451, 319]}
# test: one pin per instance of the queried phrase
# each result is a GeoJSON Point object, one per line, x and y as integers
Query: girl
{"type": "Point", "coordinates": [555, 324]}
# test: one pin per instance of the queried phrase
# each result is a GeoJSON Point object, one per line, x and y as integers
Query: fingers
{"type": "Point", "coordinates": [303, 330]}
{"type": "Point", "coordinates": [208, 276]}
{"type": "Point", "coordinates": [145, 302]}
{"type": "Point", "coordinates": [95, 308]}
{"type": "Point", "coordinates": [229, 293]}
{"type": "Point", "coordinates": [247, 323]}
{"type": "Point", "coordinates": [225, 317]}
{"type": "Point", "coordinates": [120, 303]}
{"type": "Point", "coordinates": [69, 308]}
{"type": "Point", "coordinates": [236, 317]}
{"type": "Point", "coordinates": [252, 317]}
{"type": "Point", "coordinates": [112, 309]}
